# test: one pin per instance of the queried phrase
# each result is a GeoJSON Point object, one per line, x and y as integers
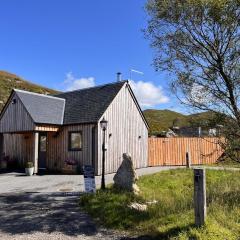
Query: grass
{"type": "Point", "coordinates": [228, 163]}
{"type": "Point", "coordinates": [172, 217]}
{"type": "Point", "coordinates": [8, 81]}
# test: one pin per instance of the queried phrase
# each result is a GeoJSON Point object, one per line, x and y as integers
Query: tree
{"type": "Point", "coordinates": [198, 41]}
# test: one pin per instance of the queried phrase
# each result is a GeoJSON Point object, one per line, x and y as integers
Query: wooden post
{"type": "Point", "coordinates": [188, 160]}
{"type": "Point", "coordinates": [200, 207]}
{"type": "Point", "coordinates": [35, 151]}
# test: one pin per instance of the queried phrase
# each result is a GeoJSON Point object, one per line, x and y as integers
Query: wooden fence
{"type": "Point", "coordinates": [172, 151]}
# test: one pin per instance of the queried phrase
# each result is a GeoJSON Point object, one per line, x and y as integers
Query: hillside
{"type": "Point", "coordinates": [8, 81]}
{"type": "Point", "coordinates": [162, 120]}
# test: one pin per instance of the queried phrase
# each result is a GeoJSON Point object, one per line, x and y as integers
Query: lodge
{"type": "Point", "coordinates": [63, 132]}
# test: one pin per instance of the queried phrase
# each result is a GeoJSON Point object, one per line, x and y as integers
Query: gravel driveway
{"type": "Point", "coordinates": [46, 207]}
{"type": "Point", "coordinates": [46, 216]}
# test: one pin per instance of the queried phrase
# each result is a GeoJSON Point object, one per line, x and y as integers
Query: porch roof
{"type": "Point", "coordinates": [43, 109]}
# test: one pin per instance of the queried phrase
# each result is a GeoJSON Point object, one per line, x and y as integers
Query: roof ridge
{"type": "Point", "coordinates": [98, 86]}
{"type": "Point", "coordinates": [38, 94]}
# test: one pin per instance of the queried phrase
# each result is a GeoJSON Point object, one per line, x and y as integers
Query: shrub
{"type": "Point", "coordinates": [29, 165]}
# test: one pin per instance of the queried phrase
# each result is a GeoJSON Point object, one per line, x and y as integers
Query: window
{"type": "Point", "coordinates": [43, 143]}
{"type": "Point", "coordinates": [75, 141]}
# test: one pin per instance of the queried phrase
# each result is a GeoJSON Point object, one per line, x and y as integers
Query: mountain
{"type": "Point", "coordinates": [162, 120]}
{"type": "Point", "coordinates": [8, 81]}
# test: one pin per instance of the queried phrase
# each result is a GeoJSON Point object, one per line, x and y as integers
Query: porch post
{"type": "Point", "coordinates": [1, 146]}
{"type": "Point", "coordinates": [35, 151]}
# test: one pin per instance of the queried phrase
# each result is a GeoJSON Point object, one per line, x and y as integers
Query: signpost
{"type": "Point", "coordinates": [89, 179]}
{"type": "Point", "coordinates": [200, 206]}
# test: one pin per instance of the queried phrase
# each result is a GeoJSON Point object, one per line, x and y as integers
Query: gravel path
{"type": "Point", "coordinates": [52, 216]}
{"type": "Point", "coordinates": [37, 208]}
{"type": "Point", "coordinates": [47, 216]}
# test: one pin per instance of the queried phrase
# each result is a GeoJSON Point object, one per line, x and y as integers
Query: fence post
{"type": "Point", "coordinates": [188, 160]}
{"type": "Point", "coordinates": [200, 207]}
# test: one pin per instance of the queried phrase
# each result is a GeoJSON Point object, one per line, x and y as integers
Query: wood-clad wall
{"type": "Point", "coordinates": [19, 147]}
{"type": "Point", "coordinates": [15, 118]}
{"type": "Point", "coordinates": [126, 133]}
{"type": "Point", "coordinates": [1, 146]}
{"type": "Point", "coordinates": [172, 151]}
{"type": "Point", "coordinates": [57, 147]}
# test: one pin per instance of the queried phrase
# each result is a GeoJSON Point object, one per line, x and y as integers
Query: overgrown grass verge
{"type": "Point", "coordinates": [227, 163]}
{"type": "Point", "coordinates": [172, 217]}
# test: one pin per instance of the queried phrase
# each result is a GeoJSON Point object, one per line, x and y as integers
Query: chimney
{"type": "Point", "coordinates": [119, 77]}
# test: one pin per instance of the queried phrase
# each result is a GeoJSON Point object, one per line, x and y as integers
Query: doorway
{"type": "Point", "coordinates": [42, 151]}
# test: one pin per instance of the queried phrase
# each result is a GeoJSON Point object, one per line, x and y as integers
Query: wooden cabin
{"type": "Point", "coordinates": [56, 131]}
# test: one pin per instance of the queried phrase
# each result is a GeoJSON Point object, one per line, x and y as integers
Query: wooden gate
{"type": "Point", "coordinates": [172, 151]}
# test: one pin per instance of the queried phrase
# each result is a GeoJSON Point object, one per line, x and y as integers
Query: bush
{"type": "Point", "coordinates": [29, 165]}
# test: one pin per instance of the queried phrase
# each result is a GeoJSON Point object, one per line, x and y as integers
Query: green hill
{"type": "Point", "coordinates": [8, 81]}
{"type": "Point", "coordinates": [162, 120]}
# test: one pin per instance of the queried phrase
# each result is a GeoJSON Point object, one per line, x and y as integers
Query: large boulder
{"type": "Point", "coordinates": [126, 176]}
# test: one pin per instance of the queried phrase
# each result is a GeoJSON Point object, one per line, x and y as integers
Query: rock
{"type": "Point", "coordinates": [126, 176]}
{"type": "Point", "coordinates": [138, 207]}
{"type": "Point", "coordinates": [152, 202]}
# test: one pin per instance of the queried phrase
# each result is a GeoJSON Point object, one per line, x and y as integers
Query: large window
{"type": "Point", "coordinates": [75, 141]}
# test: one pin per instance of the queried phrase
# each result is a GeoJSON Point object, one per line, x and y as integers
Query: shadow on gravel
{"type": "Point", "coordinates": [31, 212]}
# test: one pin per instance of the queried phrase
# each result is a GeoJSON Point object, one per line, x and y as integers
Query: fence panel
{"type": "Point", "coordinates": [172, 151]}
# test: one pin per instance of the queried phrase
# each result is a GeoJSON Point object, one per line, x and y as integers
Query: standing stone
{"type": "Point", "coordinates": [126, 176]}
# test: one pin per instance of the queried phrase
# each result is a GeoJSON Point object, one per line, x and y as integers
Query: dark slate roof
{"type": "Point", "coordinates": [87, 105]}
{"type": "Point", "coordinates": [42, 108]}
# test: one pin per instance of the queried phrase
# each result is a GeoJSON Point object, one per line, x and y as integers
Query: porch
{"type": "Point", "coordinates": [31, 146]}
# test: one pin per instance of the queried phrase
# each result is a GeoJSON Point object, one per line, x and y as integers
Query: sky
{"type": "Point", "coordinates": [72, 44]}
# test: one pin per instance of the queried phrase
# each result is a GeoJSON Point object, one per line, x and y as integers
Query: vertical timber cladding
{"type": "Point", "coordinates": [126, 133]}
{"type": "Point", "coordinates": [57, 147]}
{"type": "Point", "coordinates": [1, 146]}
{"type": "Point", "coordinates": [172, 151]}
{"type": "Point", "coordinates": [19, 147]}
{"type": "Point", "coordinates": [15, 118]}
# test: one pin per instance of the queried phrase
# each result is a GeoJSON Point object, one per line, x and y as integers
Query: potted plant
{"type": "Point", "coordinates": [71, 165]}
{"type": "Point", "coordinates": [29, 169]}
{"type": "Point", "coordinates": [4, 161]}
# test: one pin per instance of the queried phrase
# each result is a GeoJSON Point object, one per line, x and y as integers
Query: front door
{"type": "Point", "coordinates": [42, 151]}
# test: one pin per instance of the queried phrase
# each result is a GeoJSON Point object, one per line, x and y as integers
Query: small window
{"type": "Point", "coordinates": [43, 143]}
{"type": "Point", "coordinates": [75, 141]}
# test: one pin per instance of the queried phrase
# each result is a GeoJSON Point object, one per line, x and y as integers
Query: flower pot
{"type": "Point", "coordinates": [29, 171]}
{"type": "Point", "coordinates": [3, 164]}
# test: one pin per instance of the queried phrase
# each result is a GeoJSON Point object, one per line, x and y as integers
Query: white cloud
{"type": "Point", "coordinates": [72, 83]}
{"type": "Point", "coordinates": [148, 94]}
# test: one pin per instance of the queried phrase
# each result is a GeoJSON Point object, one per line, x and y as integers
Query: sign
{"type": "Point", "coordinates": [89, 179]}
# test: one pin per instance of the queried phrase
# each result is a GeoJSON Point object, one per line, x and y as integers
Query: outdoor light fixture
{"type": "Point", "coordinates": [103, 124]}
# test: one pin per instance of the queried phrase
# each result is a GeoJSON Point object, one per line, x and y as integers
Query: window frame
{"type": "Point", "coordinates": [69, 141]}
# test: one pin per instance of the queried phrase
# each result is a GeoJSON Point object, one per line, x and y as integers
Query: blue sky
{"type": "Point", "coordinates": [69, 44]}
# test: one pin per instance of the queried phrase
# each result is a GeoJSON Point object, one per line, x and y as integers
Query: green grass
{"type": "Point", "coordinates": [228, 163]}
{"type": "Point", "coordinates": [8, 81]}
{"type": "Point", "coordinates": [173, 216]}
